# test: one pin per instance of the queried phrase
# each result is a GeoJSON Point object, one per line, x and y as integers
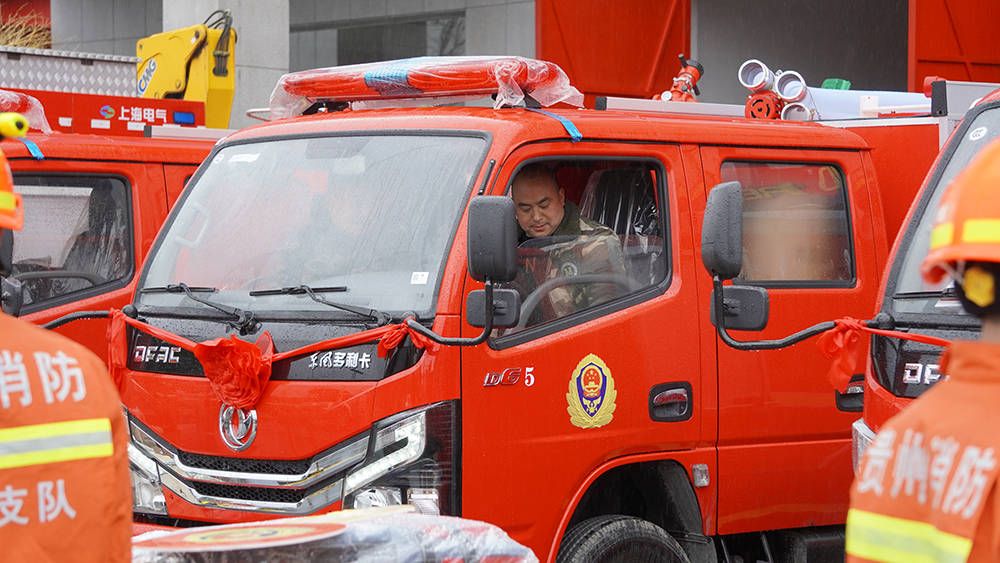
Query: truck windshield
{"type": "Point", "coordinates": [371, 214]}
{"type": "Point", "coordinates": [912, 293]}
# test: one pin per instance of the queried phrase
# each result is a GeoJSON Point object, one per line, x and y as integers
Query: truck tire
{"type": "Point", "coordinates": [614, 538]}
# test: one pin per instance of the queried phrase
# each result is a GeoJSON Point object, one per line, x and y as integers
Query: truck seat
{"type": "Point", "coordinates": [623, 199]}
{"type": "Point", "coordinates": [102, 249]}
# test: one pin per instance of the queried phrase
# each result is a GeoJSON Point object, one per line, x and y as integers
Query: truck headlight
{"type": "Point", "coordinates": [147, 494]}
{"type": "Point", "coordinates": [411, 459]}
{"type": "Point", "coordinates": [395, 446]}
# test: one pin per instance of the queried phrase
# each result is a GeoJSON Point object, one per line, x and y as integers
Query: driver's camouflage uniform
{"type": "Point", "coordinates": [578, 246]}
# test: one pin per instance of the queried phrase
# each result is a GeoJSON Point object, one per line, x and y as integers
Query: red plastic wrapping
{"type": "Point", "coordinates": [26, 105]}
{"type": "Point", "coordinates": [510, 78]}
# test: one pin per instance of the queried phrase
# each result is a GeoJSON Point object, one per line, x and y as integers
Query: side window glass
{"type": "Point", "coordinates": [795, 222]}
{"type": "Point", "coordinates": [590, 232]}
{"type": "Point", "coordinates": [76, 236]}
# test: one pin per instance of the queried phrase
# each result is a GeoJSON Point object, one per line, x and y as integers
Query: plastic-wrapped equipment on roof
{"type": "Point", "coordinates": [510, 78]}
{"type": "Point", "coordinates": [26, 105]}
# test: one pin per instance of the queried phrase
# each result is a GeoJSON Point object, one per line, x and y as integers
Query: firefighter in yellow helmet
{"type": "Point", "coordinates": [64, 482]}
{"type": "Point", "coordinates": [926, 488]}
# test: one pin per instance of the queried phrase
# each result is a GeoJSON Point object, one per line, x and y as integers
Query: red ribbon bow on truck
{"type": "Point", "coordinates": [237, 370]}
{"type": "Point", "coordinates": [844, 345]}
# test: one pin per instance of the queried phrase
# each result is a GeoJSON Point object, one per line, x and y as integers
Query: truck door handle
{"type": "Point", "coordinates": [670, 402]}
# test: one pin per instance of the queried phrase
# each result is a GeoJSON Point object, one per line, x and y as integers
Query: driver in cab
{"type": "Point", "coordinates": [557, 242]}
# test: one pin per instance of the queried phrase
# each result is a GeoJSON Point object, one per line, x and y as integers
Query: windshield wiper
{"type": "Point", "coordinates": [297, 290]}
{"type": "Point", "coordinates": [177, 288]}
{"type": "Point", "coordinates": [243, 321]}
{"type": "Point", "coordinates": [946, 292]}
{"type": "Point", "coordinates": [377, 316]}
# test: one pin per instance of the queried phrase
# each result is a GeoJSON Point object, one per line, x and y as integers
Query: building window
{"type": "Point", "coordinates": [344, 42]}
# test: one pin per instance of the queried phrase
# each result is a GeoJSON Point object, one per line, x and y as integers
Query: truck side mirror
{"type": "Point", "coordinates": [506, 308]}
{"type": "Point", "coordinates": [492, 242]}
{"type": "Point", "coordinates": [11, 296]}
{"type": "Point", "coordinates": [746, 307]}
{"type": "Point", "coordinates": [722, 231]}
{"type": "Point", "coordinates": [11, 292]}
{"type": "Point", "coordinates": [6, 252]}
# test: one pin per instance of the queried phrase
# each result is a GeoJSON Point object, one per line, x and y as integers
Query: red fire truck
{"type": "Point", "coordinates": [901, 370]}
{"type": "Point", "coordinates": [98, 174]}
{"type": "Point", "coordinates": [332, 318]}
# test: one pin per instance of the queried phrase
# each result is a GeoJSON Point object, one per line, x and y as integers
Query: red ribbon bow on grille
{"type": "Point", "coordinates": [238, 371]}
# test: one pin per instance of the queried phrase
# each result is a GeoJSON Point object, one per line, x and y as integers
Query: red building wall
{"type": "Point", "coordinates": [955, 39]}
{"type": "Point", "coordinates": [621, 48]}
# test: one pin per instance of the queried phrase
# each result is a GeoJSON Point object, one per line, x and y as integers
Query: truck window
{"type": "Point", "coordinates": [608, 240]}
{"type": "Point", "coordinates": [912, 293]}
{"type": "Point", "coordinates": [795, 222]}
{"type": "Point", "coordinates": [77, 236]}
{"type": "Point", "coordinates": [371, 214]}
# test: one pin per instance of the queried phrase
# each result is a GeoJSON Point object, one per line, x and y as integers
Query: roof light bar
{"type": "Point", "coordinates": [509, 78]}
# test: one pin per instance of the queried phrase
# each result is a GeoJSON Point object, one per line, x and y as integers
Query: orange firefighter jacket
{"type": "Point", "coordinates": [64, 482]}
{"type": "Point", "coordinates": [926, 487]}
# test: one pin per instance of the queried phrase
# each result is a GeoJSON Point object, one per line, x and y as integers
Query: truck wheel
{"type": "Point", "coordinates": [614, 538]}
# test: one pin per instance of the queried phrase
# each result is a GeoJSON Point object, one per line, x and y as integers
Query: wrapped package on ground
{"type": "Point", "coordinates": [350, 536]}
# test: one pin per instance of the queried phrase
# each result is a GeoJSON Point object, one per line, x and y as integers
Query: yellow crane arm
{"type": "Point", "coordinates": [192, 63]}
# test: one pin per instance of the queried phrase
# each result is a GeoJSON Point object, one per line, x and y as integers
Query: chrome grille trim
{"type": "Point", "coordinates": [342, 458]}
{"type": "Point", "coordinates": [309, 504]}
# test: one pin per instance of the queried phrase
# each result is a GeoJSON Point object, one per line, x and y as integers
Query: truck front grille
{"type": "Point", "coordinates": [261, 494]}
{"type": "Point", "coordinates": [239, 465]}
{"type": "Point", "coordinates": [259, 485]}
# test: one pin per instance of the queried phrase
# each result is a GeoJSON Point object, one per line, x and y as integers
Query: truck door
{"type": "Point", "coordinates": [87, 226]}
{"type": "Point", "coordinates": [784, 449]}
{"type": "Point", "coordinates": [546, 403]}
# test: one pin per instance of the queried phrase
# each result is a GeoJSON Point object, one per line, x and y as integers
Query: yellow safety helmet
{"type": "Point", "coordinates": [11, 209]}
{"type": "Point", "coordinates": [965, 239]}
{"type": "Point", "coordinates": [967, 225]}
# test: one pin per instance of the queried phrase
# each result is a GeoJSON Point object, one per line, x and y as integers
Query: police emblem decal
{"type": "Point", "coordinates": [592, 394]}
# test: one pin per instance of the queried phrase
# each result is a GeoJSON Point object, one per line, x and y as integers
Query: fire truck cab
{"type": "Point", "coordinates": [96, 190]}
{"type": "Point", "coordinates": [597, 401]}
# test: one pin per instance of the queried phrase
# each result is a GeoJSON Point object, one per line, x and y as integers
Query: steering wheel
{"type": "Point", "coordinates": [91, 278]}
{"type": "Point", "coordinates": [534, 298]}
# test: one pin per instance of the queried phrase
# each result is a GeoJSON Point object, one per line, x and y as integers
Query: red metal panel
{"type": "Point", "coordinates": [626, 48]}
{"type": "Point", "coordinates": [71, 112]}
{"type": "Point", "coordinates": [954, 39]}
{"type": "Point", "coordinates": [901, 156]}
